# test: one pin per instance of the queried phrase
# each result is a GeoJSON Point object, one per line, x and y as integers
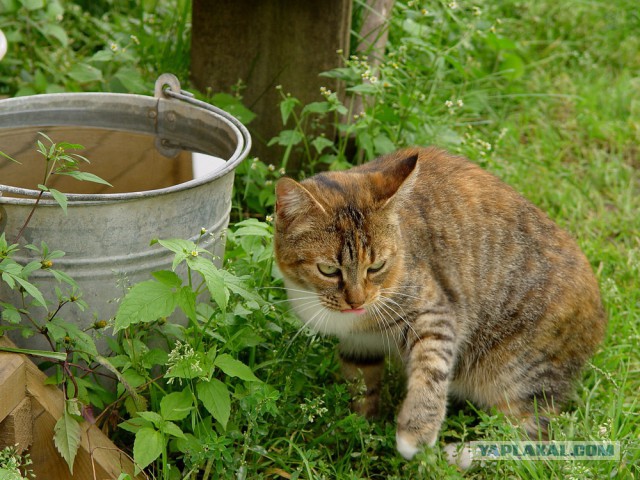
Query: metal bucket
{"type": "Point", "coordinates": [106, 236]}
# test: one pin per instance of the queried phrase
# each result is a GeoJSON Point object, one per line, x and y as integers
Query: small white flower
{"type": "Point", "coordinates": [269, 218]}
{"type": "Point", "coordinates": [448, 103]}
{"type": "Point", "coordinates": [453, 5]}
{"type": "Point", "coordinates": [113, 47]}
{"type": "Point", "coordinates": [271, 167]}
{"type": "Point", "coordinates": [460, 103]}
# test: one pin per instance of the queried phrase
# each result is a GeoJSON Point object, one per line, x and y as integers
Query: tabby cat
{"type": "Point", "coordinates": [423, 255]}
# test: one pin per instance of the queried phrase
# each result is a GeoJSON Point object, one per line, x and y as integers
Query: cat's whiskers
{"type": "Point", "coordinates": [399, 293]}
{"type": "Point", "coordinates": [379, 316]}
{"type": "Point", "coordinates": [389, 303]}
{"type": "Point", "coordinates": [389, 322]}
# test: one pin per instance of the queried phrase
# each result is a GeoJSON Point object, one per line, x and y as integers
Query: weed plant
{"type": "Point", "coordinates": [544, 94]}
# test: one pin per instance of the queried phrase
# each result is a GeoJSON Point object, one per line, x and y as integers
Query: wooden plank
{"type": "Point", "coordinates": [17, 428]}
{"type": "Point", "coordinates": [98, 458]}
{"type": "Point", "coordinates": [12, 382]}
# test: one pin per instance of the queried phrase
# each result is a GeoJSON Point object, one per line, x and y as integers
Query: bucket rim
{"type": "Point", "coordinates": [10, 106]}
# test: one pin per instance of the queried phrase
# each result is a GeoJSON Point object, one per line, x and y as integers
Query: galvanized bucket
{"type": "Point", "coordinates": [106, 236]}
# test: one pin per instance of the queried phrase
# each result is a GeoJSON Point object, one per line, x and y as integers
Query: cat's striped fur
{"type": "Point", "coordinates": [425, 255]}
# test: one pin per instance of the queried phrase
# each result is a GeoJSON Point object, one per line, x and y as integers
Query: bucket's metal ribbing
{"type": "Point", "coordinates": [106, 236]}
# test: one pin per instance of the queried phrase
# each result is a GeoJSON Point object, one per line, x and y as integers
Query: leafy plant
{"type": "Point", "coordinates": [14, 465]}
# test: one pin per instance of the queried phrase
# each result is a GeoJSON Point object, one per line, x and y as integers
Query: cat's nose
{"type": "Point", "coordinates": [355, 297]}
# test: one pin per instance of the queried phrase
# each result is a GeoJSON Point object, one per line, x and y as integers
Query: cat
{"type": "Point", "coordinates": [423, 255]}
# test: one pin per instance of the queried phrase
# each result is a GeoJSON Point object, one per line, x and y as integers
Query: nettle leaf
{"type": "Point", "coordinates": [176, 405]}
{"type": "Point", "coordinates": [317, 107]}
{"type": "Point", "coordinates": [287, 138]}
{"type": "Point", "coordinates": [214, 279]}
{"type": "Point", "coordinates": [286, 107]}
{"type": "Point", "coordinates": [215, 397]}
{"type": "Point", "coordinates": [67, 437]}
{"type": "Point", "coordinates": [147, 447]}
{"type": "Point", "coordinates": [153, 417]}
{"type": "Point", "coordinates": [252, 228]}
{"type": "Point", "coordinates": [10, 313]}
{"type": "Point", "coordinates": [84, 73]}
{"type": "Point", "coordinates": [320, 143]}
{"type": "Point", "coordinates": [234, 368]}
{"type": "Point", "coordinates": [55, 31]}
{"type": "Point", "coordinates": [172, 429]}
{"type": "Point", "coordinates": [168, 277]}
{"type": "Point", "coordinates": [187, 302]}
{"type": "Point", "coordinates": [146, 302]}
{"type": "Point", "coordinates": [238, 286]}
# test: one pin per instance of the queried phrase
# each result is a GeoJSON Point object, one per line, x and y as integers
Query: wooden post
{"type": "Point", "coordinates": [265, 44]}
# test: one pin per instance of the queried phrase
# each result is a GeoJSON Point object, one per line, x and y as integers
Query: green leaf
{"type": "Point", "coordinates": [168, 278]}
{"type": "Point", "coordinates": [320, 143]}
{"type": "Point", "coordinates": [214, 395]}
{"type": "Point", "coordinates": [364, 89]}
{"type": "Point", "coordinates": [234, 106]}
{"type": "Point", "coordinates": [235, 368]}
{"type": "Point", "coordinates": [131, 79]}
{"type": "Point", "coordinates": [32, 4]}
{"type": "Point", "coordinates": [214, 280]}
{"type": "Point", "coordinates": [172, 429]}
{"type": "Point", "coordinates": [146, 302]}
{"type": "Point", "coordinates": [176, 405]}
{"type": "Point", "coordinates": [153, 417]}
{"type": "Point", "coordinates": [10, 313]}
{"type": "Point", "coordinates": [239, 287]}
{"type": "Point", "coordinates": [286, 107]}
{"type": "Point", "coordinates": [512, 66]}
{"type": "Point", "coordinates": [60, 356]}
{"type": "Point", "coordinates": [67, 437]}
{"type": "Point", "coordinates": [316, 107]}
{"type": "Point", "coordinates": [4, 155]}
{"type": "Point", "coordinates": [187, 302]}
{"type": "Point", "coordinates": [287, 138]}
{"type": "Point", "coordinates": [55, 31]}
{"type": "Point", "coordinates": [31, 290]}
{"type": "Point", "coordinates": [147, 446]}
{"type": "Point", "coordinates": [105, 55]}
{"type": "Point", "coordinates": [59, 197]}
{"type": "Point", "coordinates": [84, 73]}
{"type": "Point", "coordinates": [383, 144]}
{"type": "Point", "coordinates": [85, 177]}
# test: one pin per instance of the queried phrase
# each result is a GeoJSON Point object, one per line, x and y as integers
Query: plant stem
{"type": "Point", "coordinates": [19, 236]}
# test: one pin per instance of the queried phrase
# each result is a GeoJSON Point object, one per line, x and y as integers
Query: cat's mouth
{"type": "Point", "coordinates": [357, 311]}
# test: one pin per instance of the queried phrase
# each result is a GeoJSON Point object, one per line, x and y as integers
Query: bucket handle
{"type": "Point", "coordinates": [168, 87]}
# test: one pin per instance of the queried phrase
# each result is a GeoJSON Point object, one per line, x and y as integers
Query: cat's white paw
{"type": "Point", "coordinates": [406, 447]}
{"type": "Point", "coordinates": [459, 456]}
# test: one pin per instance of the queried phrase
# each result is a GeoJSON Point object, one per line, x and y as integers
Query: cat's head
{"type": "Point", "coordinates": [337, 242]}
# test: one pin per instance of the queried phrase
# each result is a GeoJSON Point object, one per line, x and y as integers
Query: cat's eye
{"type": "Point", "coordinates": [377, 266]}
{"type": "Point", "coordinates": [328, 270]}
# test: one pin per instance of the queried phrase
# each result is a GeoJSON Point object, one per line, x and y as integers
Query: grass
{"type": "Point", "coordinates": [550, 95]}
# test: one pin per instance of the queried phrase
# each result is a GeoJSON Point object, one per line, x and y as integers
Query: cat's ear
{"type": "Point", "coordinates": [395, 176]}
{"type": "Point", "coordinates": [293, 201]}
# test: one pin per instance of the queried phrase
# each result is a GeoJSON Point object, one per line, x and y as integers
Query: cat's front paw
{"type": "Point", "coordinates": [406, 445]}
